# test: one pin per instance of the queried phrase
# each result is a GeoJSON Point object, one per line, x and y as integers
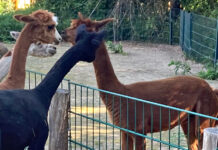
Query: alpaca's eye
{"type": "Point", "coordinates": [51, 27]}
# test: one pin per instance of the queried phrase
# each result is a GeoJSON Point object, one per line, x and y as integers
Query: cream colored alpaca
{"type": "Point", "coordinates": [37, 49]}
{"type": "Point", "coordinates": [3, 49]}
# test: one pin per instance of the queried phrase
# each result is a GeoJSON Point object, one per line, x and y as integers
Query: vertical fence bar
{"type": "Point", "coordinates": [169, 126]}
{"type": "Point", "coordinates": [183, 29]}
{"type": "Point", "coordinates": [93, 116]}
{"type": "Point", "coordinates": [190, 48]}
{"type": "Point", "coordinates": [127, 140]}
{"type": "Point", "coordinates": [188, 131]}
{"type": "Point", "coordinates": [87, 105]}
{"type": "Point", "coordinates": [216, 51]}
{"type": "Point", "coordinates": [81, 116]}
{"type": "Point", "coordinates": [106, 119]}
{"type": "Point", "coordinates": [143, 123]}
{"type": "Point", "coordinates": [69, 114]}
{"type": "Point", "coordinates": [171, 28]}
{"type": "Point", "coordinates": [135, 122]}
{"type": "Point", "coordinates": [160, 125]}
{"type": "Point", "coordinates": [75, 117]}
{"type": "Point", "coordinates": [198, 129]}
{"type": "Point", "coordinates": [120, 121]}
{"type": "Point", "coordinates": [179, 129]}
{"type": "Point", "coordinates": [99, 119]}
{"type": "Point", "coordinates": [113, 120]}
{"type": "Point", "coordinates": [152, 126]}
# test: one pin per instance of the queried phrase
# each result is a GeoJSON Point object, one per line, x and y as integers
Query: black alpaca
{"type": "Point", "coordinates": [23, 113]}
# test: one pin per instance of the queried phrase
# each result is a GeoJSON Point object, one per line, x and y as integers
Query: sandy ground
{"type": "Point", "coordinates": [142, 62]}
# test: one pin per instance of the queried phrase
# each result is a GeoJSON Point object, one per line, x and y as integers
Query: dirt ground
{"type": "Point", "coordinates": [143, 62]}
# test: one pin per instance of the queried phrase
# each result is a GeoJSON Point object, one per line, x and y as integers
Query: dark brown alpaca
{"type": "Point", "coordinates": [185, 92]}
{"type": "Point", "coordinates": [40, 26]}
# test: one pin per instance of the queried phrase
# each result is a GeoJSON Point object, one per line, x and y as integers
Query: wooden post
{"type": "Point", "coordinates": [58, 120]}
{"type": "Point", "coordinates": [210, 139]}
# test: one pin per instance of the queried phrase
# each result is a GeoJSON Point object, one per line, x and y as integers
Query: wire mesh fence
{"type": "Point", "coordinates": [199, 37]}
{"type": "Point", "coordinates": [123, 122]}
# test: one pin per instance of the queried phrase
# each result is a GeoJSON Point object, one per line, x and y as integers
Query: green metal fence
{"type": "Point", "coordinates": [91, 127]}
{"type": "Point", "coordinates": [199, 37]}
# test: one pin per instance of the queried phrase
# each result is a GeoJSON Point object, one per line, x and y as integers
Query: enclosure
{"type": "Point", "coordinates": [90, 126]}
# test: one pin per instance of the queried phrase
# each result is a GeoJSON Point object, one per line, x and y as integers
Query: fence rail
{"type": "Point", "coordinates": [199, 37]}
{"type": "Point", "coordinates": [91, 126]}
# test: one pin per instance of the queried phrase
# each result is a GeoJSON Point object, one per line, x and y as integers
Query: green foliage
{"type": "Point", "coordinates": [116, 48]}
{"type": "Point", "coordinates": [6, 6]}
{"type": "Point", "coordinates": [140, 20]}
{"type": "Point", "coordinates": [210, 74]}
{"type": "Point", "coordinates": [179, 66]}
{"type": "Point", "coordinates": [8, 23]}
{"type": "Point", "coordinates": [204, 7]}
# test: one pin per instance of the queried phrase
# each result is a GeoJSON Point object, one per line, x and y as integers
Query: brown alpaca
{"type": "Point", "coordinates": [40, 26]}
{"type": "Point", "coordinates": [185, 92]}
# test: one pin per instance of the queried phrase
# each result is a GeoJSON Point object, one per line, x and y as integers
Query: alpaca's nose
{"type": "Point", "coordinates": [53, 51]}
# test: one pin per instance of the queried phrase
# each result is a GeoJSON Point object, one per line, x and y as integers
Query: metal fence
{"type": "Point", "coordinates": [199, 37]}
{"type": "Point", "coordinates": [92, 126]}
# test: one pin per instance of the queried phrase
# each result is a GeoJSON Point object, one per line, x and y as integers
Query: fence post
{"type": "Point", "coordinates": [183, 29]}
{"type": "Point", "coordinates": [58, 120]}
{"type": "Point", "coordinates": [171, 28]}
{"type": "Point", "coordinates": [210, 139]}
{"type": "Point", "coordinates": [190, 36]}
{"type": "Point", "coordinates": [216, 50]}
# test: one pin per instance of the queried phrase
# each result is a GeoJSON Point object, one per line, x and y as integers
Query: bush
{"type": "Point", "coordinates": [6, 6]}
{"type": "Point", "coordinates": [116, 48]}
{"type": "Point", "coordinates": [8, 23]}
{"type": "Point", "coordinates": [210, 74]}
{"type": "Point", "coordinates": [183, 68]}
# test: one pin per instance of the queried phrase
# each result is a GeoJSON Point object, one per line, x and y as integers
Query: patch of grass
{"type": "Point", "coordinates": [180, 67]}
{"type": "Point", "coordinates": [210, 74]}
{"type": "Point", "coordinates": [116, 48]}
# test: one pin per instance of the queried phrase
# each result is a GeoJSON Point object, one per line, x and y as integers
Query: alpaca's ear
{"type": "Point", "coordinates": [100, 24]}
{"type": "Point", "coordinates": [14, 34]}
{"type": "Point", "coordinates": [80, 16]}
{"type": "Point", "coordinates": [24, 18]}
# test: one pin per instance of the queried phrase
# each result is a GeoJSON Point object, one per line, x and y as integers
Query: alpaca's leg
{"type": "Point", "coordinates": [140, 143]}
{"type": "Point", "coordinates": [189, 131]}
{"type": "Point", "coordinates": [127, 141]}
{"type": "Point", "coordinates": [38, 142]}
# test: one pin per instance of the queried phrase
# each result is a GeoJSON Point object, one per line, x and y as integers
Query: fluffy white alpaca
{"type": "Point", "coordinates": [35, 49]}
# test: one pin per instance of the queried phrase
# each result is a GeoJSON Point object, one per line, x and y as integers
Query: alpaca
{"type": "Point", "coordinates": [3, 50]}
{"type": "Point", "coordinates": [23, 125]}
{"type": "Point", "coordinates": [37, 49]}
{"type": "Point", "coordinates": [185, 92]}
{"type": "Point", "coordinates": [40, 26]}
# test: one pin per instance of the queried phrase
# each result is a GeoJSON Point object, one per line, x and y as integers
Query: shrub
{"type": "Point", "coordinates": [184, 68]}
{"type": "Point", "coordinates": [116, 48]}
{"type": "Point", "coordinates": [6, 6]}
{"type": "Point", "coordinates": [8, 23]}
{"type": "Point", "coordinates": [210, 74]}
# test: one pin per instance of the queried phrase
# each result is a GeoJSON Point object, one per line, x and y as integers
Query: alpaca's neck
{"type": "Point", "coordinates": [16, 75]}
{"type": "Point", "coordinates": [106, 78]}
{"type": "Point", "coordinates": [50, 83]}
